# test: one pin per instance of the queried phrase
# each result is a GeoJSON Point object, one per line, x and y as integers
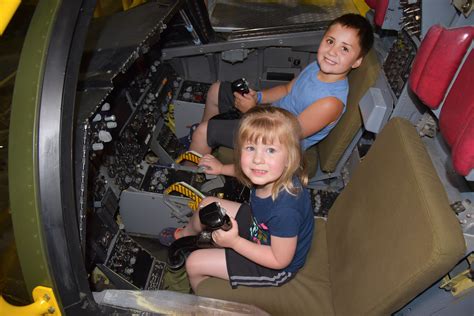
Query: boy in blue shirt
{"type": "Point", "coordinates": [317, 96]}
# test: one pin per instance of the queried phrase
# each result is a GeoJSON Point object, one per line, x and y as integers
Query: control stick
{"type": "Point", "coordinates": [213, 217]}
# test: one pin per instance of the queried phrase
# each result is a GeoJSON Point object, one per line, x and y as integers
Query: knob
{"type": "Point", "coordinates": [105, 106]}
{"type": "Point", "coordinates": [105, 136]}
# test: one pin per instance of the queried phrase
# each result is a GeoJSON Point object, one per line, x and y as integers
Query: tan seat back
{"type": "Point", "coordinates": [391, 232]}
{"type": "Point", "coordinates": [334, 145]}
{"type": "Point", "coordinates": [389, 236]}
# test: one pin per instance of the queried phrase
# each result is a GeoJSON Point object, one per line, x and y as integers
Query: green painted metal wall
{"type": "Point", "coordinates": [22, 156]}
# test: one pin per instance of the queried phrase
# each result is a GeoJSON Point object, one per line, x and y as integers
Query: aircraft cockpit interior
{"type": "Point", "coordinates": [121, 91]}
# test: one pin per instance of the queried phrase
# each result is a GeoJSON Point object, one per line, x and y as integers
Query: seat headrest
{"type": "Point", "coordinates": [436, 62]}
{"type": "Point", "coordinates": [456, 120]}
{"type": "Point", "coordinates": [371, 3]}
{"type": "Point", "coordinates": [380, 9]}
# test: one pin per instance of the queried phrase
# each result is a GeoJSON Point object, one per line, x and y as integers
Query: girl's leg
{"type": "Point", "coordinates": [194, 226]}
{"type": "Point", "coordinates": [204, 263]}
{"type": "Point", "coordinates": [231, 207]}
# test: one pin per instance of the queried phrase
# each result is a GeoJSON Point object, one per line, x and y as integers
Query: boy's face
{"type": "Point", "coordinates": [339, 51]}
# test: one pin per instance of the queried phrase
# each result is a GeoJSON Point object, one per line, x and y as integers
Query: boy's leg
{"type": "Point", "coordinates": [199, 140]}
{"type": "Point", "coordinates": [219, 100]}
{"type": "Point", "coordinates": [212, 102]}
{"type": "Point", "coordinates": [204, 263]}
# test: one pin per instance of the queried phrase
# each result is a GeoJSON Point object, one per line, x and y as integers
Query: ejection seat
{"type": "Point", "coordinates": [389, 235]}
{"type": "Point", "coordinates": [445, 54]}
{"type": "Point", "coordinates": [330, 155]}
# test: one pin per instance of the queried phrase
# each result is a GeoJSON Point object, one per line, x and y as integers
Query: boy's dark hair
{"type": "Point", "coordinates": [362, 25]}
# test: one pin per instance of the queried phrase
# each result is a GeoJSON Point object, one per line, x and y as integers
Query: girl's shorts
{"type": "Point", "coordinates": [243, 271]}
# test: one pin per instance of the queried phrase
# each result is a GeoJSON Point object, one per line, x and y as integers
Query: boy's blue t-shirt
{"type": "Point", "coordinates": [287, 216]}
{"type": "Point", "coordinates": [306, 90]}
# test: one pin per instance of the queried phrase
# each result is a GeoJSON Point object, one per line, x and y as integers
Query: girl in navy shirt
{"type": "Point", "coordinates": [271, 237]}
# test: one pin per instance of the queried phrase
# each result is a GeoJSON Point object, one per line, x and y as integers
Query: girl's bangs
{"type": "Point", "coordinates": [266, 131]}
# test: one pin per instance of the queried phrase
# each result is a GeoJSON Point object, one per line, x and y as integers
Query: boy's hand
{"type": "Point", "coordinates": [212, 164]}
{"type": "Point", "coordinates": [227, 239]}
{"type": "Point", "coordinates": [244, 102]}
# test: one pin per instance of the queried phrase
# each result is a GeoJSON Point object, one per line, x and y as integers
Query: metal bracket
{"type": "Point", "coordinates": [462, 281]}
{"type": "Point", "coordinates": [44, 303]}
{"type": "Point", "coordinates": [188, 191]}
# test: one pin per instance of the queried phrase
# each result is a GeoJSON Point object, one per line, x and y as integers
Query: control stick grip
{"type": "Point", "coordinates": [213, 217]}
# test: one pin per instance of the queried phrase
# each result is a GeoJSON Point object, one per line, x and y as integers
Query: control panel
{"type": "Point", "coordinates": [411, 17]}
{"type": "Point", "coordinates": [189, 105]}
{"type": "Point", "coordinates": [131, 164]}
{"type": "Point", "coordinates": [122, 129]}
{"type": "Point", "coordinates": [397, 65]}
{"type": "Point", "coordinates": [129, 265]}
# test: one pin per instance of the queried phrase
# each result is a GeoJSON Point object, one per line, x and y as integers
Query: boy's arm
{"type": "Point", "coordinates": [320, 114]}
{"type": "Point", "coordinates": [276, 93]}
{"type": "Point", "coordinates": [247, 101]}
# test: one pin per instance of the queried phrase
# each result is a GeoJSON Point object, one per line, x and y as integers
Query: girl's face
{"type": "Point", "coordinates": [263, 164]}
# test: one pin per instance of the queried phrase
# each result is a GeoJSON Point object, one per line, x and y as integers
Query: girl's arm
{"type": "Point", "coordinates": [214, 166]}
{"type": "Point", "coordinates": [320, 114]}
{"type": "Point", "coordinates": [276, 256]}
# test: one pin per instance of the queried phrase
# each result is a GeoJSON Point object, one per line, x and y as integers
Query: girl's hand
{"type": "Point", "coordinates": [227, 239]}
{"type": "Point", "coordinates": [212, 164]}
{"type": "Point", "coordinates": [244, 102]}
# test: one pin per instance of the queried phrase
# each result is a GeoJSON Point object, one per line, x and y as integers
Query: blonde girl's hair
{"type": "Point", "coordinates": [268, 124]}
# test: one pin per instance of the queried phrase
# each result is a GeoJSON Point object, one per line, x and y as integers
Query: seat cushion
{"type": "Point", "coordinates": [311, 160]}
{"type": "Point", "coordinates": [224, 154]}
{"type": "Point", "coordinates": [391, 232]}
{"type": "Point", "coordinates": [307, 294]}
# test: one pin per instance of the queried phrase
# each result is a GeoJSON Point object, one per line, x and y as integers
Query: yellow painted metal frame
{"type": "Point", "coordinates": [190, 156]}
{"type": "Point", "coordinates": [128, 4]}
{"type": "Point", "coordinates": [188, 191]}
{"type": "Point", "coordinates": [361, 6]}
{"type": "Point", "coordinates": [44, 303]}
{"type": "Point", "coordinates": [107, 7]}
{"type": "Point", "coordinates": [7, 10]}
